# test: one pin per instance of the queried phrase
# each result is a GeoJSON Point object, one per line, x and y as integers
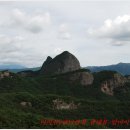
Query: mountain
{"type": "Point", "coordinates": [16, 68]}
{"type": "Point", "coordinates": [23, 69]}
{"type": "Point", "coordinates": [123, 68]}
{"type": "Point", "coordinates": [65, 92]}
{"type": "Point", "coordinates": [62, 63]}
{"type": "Point", "coordinates": [11, 66]}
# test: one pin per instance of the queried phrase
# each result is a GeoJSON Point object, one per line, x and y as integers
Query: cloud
{"type": "Point", "coordinates": [10, 44]}
{"type": "Point", "coordinates": [64, 32]}
{"type": "Point", "coordinates": [34, 23]}
{"type": "Point", "coordinates": [14, 49]}
{"type": "Point", "coordinates": [116, 31]}
{"type": "Point", "coordinates": [58, 50]}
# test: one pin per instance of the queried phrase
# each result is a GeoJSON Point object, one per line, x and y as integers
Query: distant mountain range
{"type": "Point", "coordinates": [11, 66]}
{"type": "Point", "coordinates": [23, 69]}
{"type": "Point", "coordinates": [16, 68]}
{"type": "Point", "coordinates": [123, 68]}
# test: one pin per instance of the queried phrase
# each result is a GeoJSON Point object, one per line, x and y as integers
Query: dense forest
{"type": "Point", "coordinates": [26, 101]}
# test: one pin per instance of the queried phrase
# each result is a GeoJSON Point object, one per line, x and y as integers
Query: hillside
{"type": "Point", "coordinates": [27, 99]}
{"type": "Point", "coordinates": [41, 91]}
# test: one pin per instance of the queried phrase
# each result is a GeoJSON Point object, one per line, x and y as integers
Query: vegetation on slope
{"type": "Point", "coordinates": [40, 91]}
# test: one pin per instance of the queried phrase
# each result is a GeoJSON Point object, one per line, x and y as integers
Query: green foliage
{"type": "Point", "coordinates": [40, 91]}
{"type": "Point", "coordinates": [102, 76]}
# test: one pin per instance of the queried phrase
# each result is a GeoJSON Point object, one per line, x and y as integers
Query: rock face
{"type": "Point", "coordinates": [85, 78]}
{"type": "Point", "coordinates": [108, 86]}
{"type": "Point", "coordinates": [48, 60]}
{"type": "Point", "coordinates": [65, 62]}
{"type": "Point", "coordinates": [4, 74]}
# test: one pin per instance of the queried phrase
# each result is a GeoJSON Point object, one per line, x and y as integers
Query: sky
{"type": "Point", "coordinates": [96, 32]}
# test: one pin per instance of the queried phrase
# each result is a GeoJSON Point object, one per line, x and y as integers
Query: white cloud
{"type": "Point", "coordinates": [15, 49]}
{"type": "Point", "coordinates": [10, 44]}
{"type": "Point", "coordinates": [116, 31]}
{"type": "Point", "coordinates": [34, 23]}
{"type": "Point", "coordinates": [64, 32]}
{"type": "Point", "coordinates": [58, 50]}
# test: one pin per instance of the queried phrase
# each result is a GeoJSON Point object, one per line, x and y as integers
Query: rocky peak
{"type": "Point", "coordinates": [65, 53]}
{"type": "Point", "coordinates": [62, 63]}
{"type": "Point", "coordinates": [47, 61]}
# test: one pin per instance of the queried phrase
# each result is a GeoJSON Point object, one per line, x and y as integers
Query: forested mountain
{"type": "Point", "coordinates": [64, 92]}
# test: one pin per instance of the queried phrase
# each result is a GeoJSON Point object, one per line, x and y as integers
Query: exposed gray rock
{"type": "Point", "coordinates": [4, 74]}
{"type": "Point", "coordinates": [85, 78]}
{"type": "Point", "coordinates": [65, 62]}
{"type": "Point", "coordinates": [108, 86]}
{"type": "Point", "coordinates": [23, 103]}
{"type": "Point", "coordinates": [60, 104]}
{"type": "Point", "coordinates": [47, 61]}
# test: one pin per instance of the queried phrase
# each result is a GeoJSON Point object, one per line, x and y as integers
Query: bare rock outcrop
{"type": "Point", "coordinates": [109, 85]}
{"type": "Point", "coordinates": [47, 62]}
{"type": "Point", "coordinates": [26, 104]}
{"type": "Point", "coordinates": [60, 105]}
{"type": "Point", "coordinates": [62, 63]}
{"type": "Point", "coordinates": [4, 74]}
{"type": "Point", "coordinates": [85, 78]}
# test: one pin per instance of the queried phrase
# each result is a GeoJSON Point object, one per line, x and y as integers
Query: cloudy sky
{"type": "Point", "coordinates": [96, 32]}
